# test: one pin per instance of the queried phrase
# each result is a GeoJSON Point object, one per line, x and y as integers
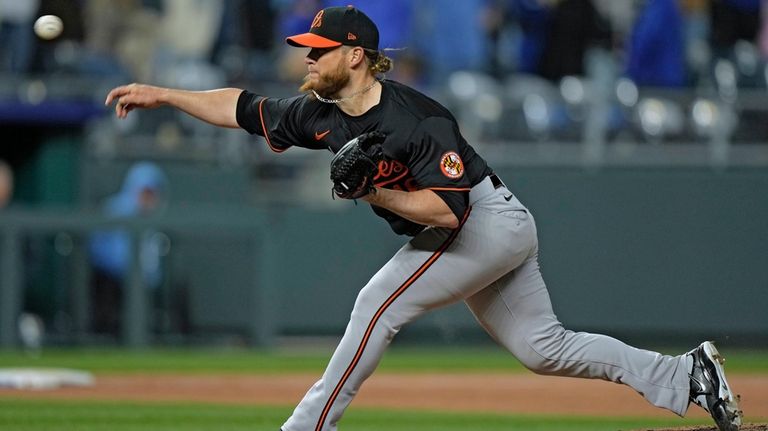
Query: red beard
{"type": "Point", "coordinates": [328, 85]}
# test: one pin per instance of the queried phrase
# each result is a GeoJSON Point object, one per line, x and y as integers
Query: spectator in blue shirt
{"type": "Point", "coordinates": [655, 49]}
{"type": "Point", "coordinates": [143, 192]}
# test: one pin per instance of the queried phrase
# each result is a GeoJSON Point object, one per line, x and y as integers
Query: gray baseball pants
{"type": "Point", "coordinates": [490, 263]}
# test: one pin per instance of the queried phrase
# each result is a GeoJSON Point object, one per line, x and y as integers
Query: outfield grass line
{"type": "Point", "coordinates": [447, 360]}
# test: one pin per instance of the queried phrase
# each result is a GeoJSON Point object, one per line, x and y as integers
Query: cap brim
{"type": "Point", "coordinates": [311, 40]}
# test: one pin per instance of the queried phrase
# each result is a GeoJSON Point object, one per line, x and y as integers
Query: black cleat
{"type": "Point", "coordinates": [710, 390]}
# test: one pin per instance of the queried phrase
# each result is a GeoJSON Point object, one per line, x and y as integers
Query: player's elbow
{"type": "Point", "coordinates": [454, 223]}
{"type": "Point", "coordinates": [441, 214]}
{"type": "Point", "coordinates": [448, 220]}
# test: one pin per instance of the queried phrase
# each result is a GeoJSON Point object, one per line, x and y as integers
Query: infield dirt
{"type": "Point", "coordinates": [472, 392]}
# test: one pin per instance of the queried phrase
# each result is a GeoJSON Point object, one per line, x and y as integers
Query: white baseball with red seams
{"type": "Point", "coordinates": [48, 27]}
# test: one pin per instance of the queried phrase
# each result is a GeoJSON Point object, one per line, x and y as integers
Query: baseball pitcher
{"type": "Point", "coordinates": [471, 239]}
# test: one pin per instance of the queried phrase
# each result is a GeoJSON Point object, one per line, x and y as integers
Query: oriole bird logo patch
{"type": "Point", "coordinates": [451, 165]}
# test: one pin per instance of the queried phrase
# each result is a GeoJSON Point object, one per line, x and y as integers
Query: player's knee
{"type": "Point", "coordinates": [381, 325]}
{"type": "Point", "coordinates": [534, 361]}
{"type": "Point", "coordinates": [368, 300]}
{"type": "Point", "coordinates": [542, 352]}
{"type": "Point", "coordinates": [368, 310]}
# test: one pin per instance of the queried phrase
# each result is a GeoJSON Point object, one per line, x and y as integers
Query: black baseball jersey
{"type": "Point", "coordinates": [424, 148]}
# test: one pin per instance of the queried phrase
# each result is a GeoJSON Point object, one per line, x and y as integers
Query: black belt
{"type": "Point", "coordinates": [496, 181]}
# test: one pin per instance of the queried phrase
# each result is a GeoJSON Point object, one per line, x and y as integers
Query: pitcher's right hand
{"type": "Point", "coordinates": [133, 96]}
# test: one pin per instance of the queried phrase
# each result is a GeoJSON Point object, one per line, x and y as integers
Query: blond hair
{"type": "Point", "coordinates": [378, 62]}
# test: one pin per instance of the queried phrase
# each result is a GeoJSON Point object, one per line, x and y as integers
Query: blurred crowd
{"type": "Point", "coordinates": [657, 42]}
{"type": "Point", "coordinates": [511, 70]}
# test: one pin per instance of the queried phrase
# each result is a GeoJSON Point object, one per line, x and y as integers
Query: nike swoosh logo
{"type": "Point", "coordinates": [319, 136]}
{"type": "Point", "coordinates": [702, 388]}
{"type": "Point", "coordinates": [507, 198]}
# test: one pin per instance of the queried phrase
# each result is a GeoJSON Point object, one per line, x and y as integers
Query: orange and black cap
{"type": "Point", "coordinates": [336, 26]}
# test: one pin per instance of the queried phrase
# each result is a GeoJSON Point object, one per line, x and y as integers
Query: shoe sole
{"type": "Point", "coordinates": [730, 400]}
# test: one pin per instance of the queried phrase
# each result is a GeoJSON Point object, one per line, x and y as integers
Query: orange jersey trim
{"type": "Point", "coordinates": [367, 335]}
{"type": "Point", "coordinates": [449, 189]}
{"type": "Point", "coordinates": [264, 128]}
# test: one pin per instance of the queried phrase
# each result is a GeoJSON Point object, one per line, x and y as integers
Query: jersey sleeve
{"type": "Point", "coordinates": [277, 120]}
{"type": "Point", "coordinates": [434, 156]}
{"type": "Point", "coordinates": [435, 162]}
{"type": "Point", "coordinates": [456, 201]}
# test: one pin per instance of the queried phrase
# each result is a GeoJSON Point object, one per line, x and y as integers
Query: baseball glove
{"type": "Point", "coordinates": [355, 165]}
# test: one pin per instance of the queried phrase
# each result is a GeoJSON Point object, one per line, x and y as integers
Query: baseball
{"type": "Point", "coordinates": [48, 27]}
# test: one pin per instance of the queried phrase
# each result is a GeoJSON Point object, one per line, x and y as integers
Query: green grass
{"type": "Point", "coordinates": [470, 359]}
{"type": "Point", "coordinates": [68, 415]}
{"type": "Point", "coordinates": [254, 361]}
{"type": "Point", "coordinates": [18, 415]}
